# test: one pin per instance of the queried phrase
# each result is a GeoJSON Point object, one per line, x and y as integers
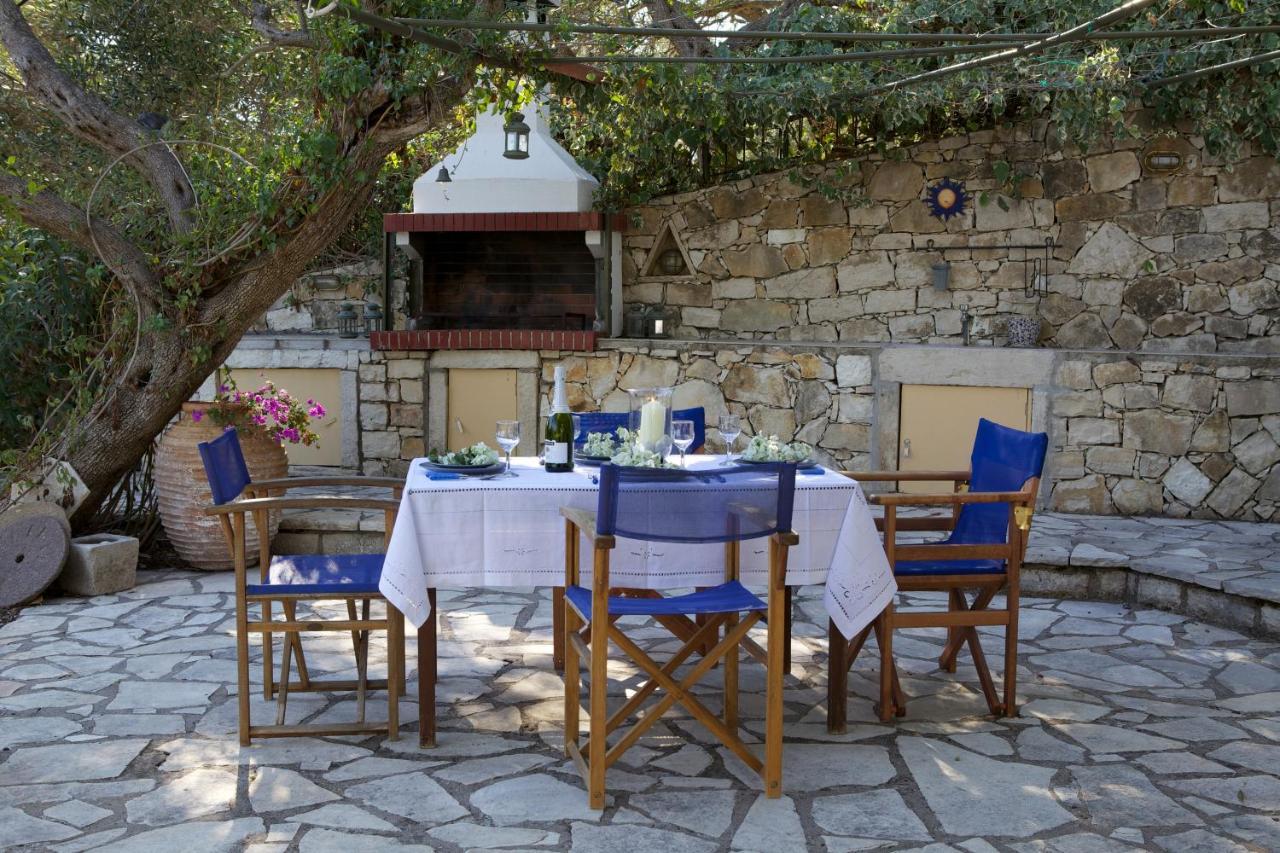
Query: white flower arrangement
{"type": "Point", "coordinates": [600, 444]}
{"type": "Point", "coordinates": [773, 449]}
{"type": "Point", "coordinates": [631, 454]}
{"type": "Point", "coordinates": [476, 454]}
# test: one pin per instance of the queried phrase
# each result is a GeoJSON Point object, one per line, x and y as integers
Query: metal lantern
{"type": "Point", "coordinates": [657, 323]}
{"type": "Point", "coordinates": [517, 137]}
{"type": "Point", "coordinates": [372, 318]}
{"type": "Point", "coordinates": [671, 262]}
{"type": "Point", "coordinates": [348, 321]}
{"type": "Point", "coordinates": [633, 325]}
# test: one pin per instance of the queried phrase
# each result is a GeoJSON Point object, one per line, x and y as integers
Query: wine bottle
{"type": "Point", "coordinates": [558, 455]}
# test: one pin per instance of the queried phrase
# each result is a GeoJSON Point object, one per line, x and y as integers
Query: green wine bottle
{"type": "Point", "coordinates": [558, 447]}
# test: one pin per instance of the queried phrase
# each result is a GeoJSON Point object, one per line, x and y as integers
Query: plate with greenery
{"type": "Point", "coordinates": [598, 448]}
{"type": "Point", "coordinates": [479, 458]}
{"type": "Point", "coordinates": [770, 448]}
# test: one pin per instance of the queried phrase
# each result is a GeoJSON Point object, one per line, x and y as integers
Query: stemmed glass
{"type": "Point", "coordinates": [730, 428]}
{"type": "Point", "coordinates": [508, 435]}
{"type": "Point", "coordinates": [682, 437]}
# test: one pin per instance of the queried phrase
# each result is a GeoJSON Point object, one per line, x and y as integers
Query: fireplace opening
{"type": "Point", "coordinates": [506, 280]}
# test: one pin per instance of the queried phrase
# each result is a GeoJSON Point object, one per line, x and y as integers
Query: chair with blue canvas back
{"type": "Point", "coordinates": [991, 506]}
{"type": "Point", "coordinates": [727, 505]}
{"type": "Point", "coordinates": [610, 422]}
{"type": "Point", "coordinates": [302, 578]}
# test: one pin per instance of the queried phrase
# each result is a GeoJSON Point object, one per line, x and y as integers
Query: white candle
{"type": "Point", "coordinates": [653, 417]}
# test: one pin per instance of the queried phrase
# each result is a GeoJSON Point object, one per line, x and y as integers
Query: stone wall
{"type": "Point", "coordinates": [1153, 435]}
{"type": "Point", "coordinates": [1188, 262]}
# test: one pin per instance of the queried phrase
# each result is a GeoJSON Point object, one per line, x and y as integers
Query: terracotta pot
{"type": "Point", "coordinates": [183, 491]}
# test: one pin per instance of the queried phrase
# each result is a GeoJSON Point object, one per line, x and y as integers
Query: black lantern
{"type": "Point", "coordinates": [348, 322]}
{"type": "Point", "coordinates": [517, 137]}
{"type": "Point", "coordinates": [372, 318]}
{"type": "Point", "coordinates": [657, 322]}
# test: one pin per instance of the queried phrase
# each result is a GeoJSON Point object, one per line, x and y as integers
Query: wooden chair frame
{"type": "Point", "coordinates": [589, 642]}
{"type": "Point", "coordinates": [231, 516]}
{"type": "Point", "coordinates": [963, 615]}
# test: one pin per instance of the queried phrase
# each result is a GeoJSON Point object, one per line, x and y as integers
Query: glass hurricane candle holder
{"type": "Point", "coordinates": [650, 421]}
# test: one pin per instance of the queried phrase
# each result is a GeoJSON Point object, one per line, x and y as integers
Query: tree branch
{"type": "Point", "coordinates": [55, 215]}
{"type": "Point", "coordinates": [264, 23]}
{"type": "Point", "coordinates": [90, 119]}
{"type": "Point", "coordinates": [665, 14]}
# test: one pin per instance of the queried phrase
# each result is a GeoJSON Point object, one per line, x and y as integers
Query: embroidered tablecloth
{"type": "Point", "coordinates": [508, 532]}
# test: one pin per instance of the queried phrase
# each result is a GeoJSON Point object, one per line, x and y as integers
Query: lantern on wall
{"type": "Point", "coordinates": [658, 322]}
{"type": "Point", "coordinates": [517, 137]}
{"type": "Point", "coordinates": [348, 321]}
{"type": "Point", "coordinates": [373, 318]}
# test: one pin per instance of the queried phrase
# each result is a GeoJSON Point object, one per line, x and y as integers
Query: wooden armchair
{"type": "Point", "coordinates": [289, 579]}
{"type": "Point", "coordinates": [991, 508]}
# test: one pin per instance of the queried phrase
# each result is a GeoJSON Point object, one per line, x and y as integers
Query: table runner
{"type": "Point", "coordinates": [508, 532]}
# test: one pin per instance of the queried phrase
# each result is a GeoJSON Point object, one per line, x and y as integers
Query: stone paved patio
{"type": "Point", "coordinates": [1140, 730]}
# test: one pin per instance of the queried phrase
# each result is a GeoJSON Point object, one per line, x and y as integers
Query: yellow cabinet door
{"type": "Point", "coordinates": [938, 424]}
{"type": "Point", "coordinates": [478, 399]}
{"type": "Point", "coordinates": [322, 384]}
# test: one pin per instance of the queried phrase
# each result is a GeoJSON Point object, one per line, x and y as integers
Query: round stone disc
{"type": "Point", "coordinates": [35, 539]}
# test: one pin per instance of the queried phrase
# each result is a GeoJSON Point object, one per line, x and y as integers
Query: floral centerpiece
{"type": "Point", "coordinates": [631, 452]}
{"type": "Point", "coordinates": [773, 449]}
{"type": "Point", "coordinates": [283, 417]}
{"type": "Point", "coordinates": [600, 445]}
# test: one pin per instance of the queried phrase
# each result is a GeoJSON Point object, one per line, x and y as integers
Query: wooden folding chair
{"type": "Point", "coordinates": [991, 509]}
{"type": "Point", "coordinates": [301, 578]}
{"type": "Point", "coordinates": [723, 506]}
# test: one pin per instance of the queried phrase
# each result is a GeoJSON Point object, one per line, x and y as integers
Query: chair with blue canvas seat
{"type": "Point", "coordinates": [352, 578]}
{"type": "Point", "coordinates": [726, 506]}
{"type": "Point", "coordinates": [991, 508]}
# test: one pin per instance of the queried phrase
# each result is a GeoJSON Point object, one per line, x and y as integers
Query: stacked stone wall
{"type": "Point", "coordinates": [1187, 262]}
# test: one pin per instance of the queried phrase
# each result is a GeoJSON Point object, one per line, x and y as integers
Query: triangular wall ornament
{"type": "Point", "coordinates": [668, 258]}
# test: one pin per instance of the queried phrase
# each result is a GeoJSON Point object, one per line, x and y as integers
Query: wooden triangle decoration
{"type": "Point", "coordinates": [668, 257]}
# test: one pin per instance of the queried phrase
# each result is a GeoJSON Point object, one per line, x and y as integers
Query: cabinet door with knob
{"type": "Point", "coordinates": [938, 424]}
{"type": "Point", "coordinates": [478, 399]}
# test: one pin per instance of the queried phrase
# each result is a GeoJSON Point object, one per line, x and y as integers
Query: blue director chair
{"type": "Point", "coordinates": [727, 506]}
{"type": "Point", "coordinates": [991, 508]}
{"type": "Point", "coordinates": [294, 578]}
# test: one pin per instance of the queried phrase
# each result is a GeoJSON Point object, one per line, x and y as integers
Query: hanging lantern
{"type": "Point", "coordinates": [517, 137]}
{"type": "Point", "coordinates": [372, 318]}
{"type": "Point", "coordinates": [348, 322]}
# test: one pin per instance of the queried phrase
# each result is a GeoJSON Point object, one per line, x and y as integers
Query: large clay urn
{"type": "Point", "coordinates": [183, 491]}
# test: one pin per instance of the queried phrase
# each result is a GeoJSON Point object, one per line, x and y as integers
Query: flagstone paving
{"type": "Point", "coordinates": [1140, 730]}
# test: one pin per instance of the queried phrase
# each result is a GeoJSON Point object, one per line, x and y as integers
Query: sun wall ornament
{"type": "Point", "coordinates": [947, 198]}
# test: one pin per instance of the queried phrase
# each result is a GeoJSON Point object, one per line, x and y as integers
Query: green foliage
{"type": "Point", "coordinates": [650, 129]}
{"type": "Point", "coordinates": [51, 304]}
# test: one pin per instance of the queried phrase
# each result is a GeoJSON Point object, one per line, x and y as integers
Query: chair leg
{"type": "Point", "coordinates": [730, 677]}
{"type": "Point", "coordinates": [403, 669]}
{"type": "Point", "coordinates": [1010, 708]}
{"type": "Point", "coordinates": [596, 742]}
{"type": "Point", "coordinates": [268, 656]}
{"type": "Point", "coordinates": [778, 638]}
{"type": "Point", "coordinates": [947, 661]}
{"type": "Point", "coordinates": [300, 660]}
{"type": "Point", "coordinates": [282, 699]}
{"type": "Point", "coordinates": [786, 634]}
{"type": "Point", "coordinates": [572, 684]}
{"type": "Point", "coordinates": [427, 663]}
{"type": "Point", "coordinates": [360, 641]}
{"type": "Point", "coordinates": [557, 628]}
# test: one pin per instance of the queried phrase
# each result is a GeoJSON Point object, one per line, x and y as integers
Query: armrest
{"type": "Point", "coordinates": [284, 483]}
{"type": "Point", "coordinates": [318, 502]}
{"type": "Point", "coordinates": [907, 476]}
{"type": "Point", "coordinates": [949, 499]}
{"type": "Point", "coordinates": [585, 521]}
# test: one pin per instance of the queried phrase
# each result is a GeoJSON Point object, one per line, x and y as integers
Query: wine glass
{"type": "Point", "coordinates": [508, 435]}
{"type": "Point", "coordinates": [682, 437]}
{"type": "Point", "coordinates": [730, 428]}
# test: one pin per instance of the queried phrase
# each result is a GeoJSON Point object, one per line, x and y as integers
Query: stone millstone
{"type": "Point", "coordinates": [35, 539]}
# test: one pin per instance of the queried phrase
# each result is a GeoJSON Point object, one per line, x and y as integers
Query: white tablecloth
{"type": "Point", "coordinates": [508, 532]}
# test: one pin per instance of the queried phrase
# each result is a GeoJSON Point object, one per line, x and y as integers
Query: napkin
{"type": "Point", "coordinates": [443, 475]}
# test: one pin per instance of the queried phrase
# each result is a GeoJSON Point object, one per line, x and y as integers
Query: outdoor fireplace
{"type": "Point", "coordinates": [507, 253]}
